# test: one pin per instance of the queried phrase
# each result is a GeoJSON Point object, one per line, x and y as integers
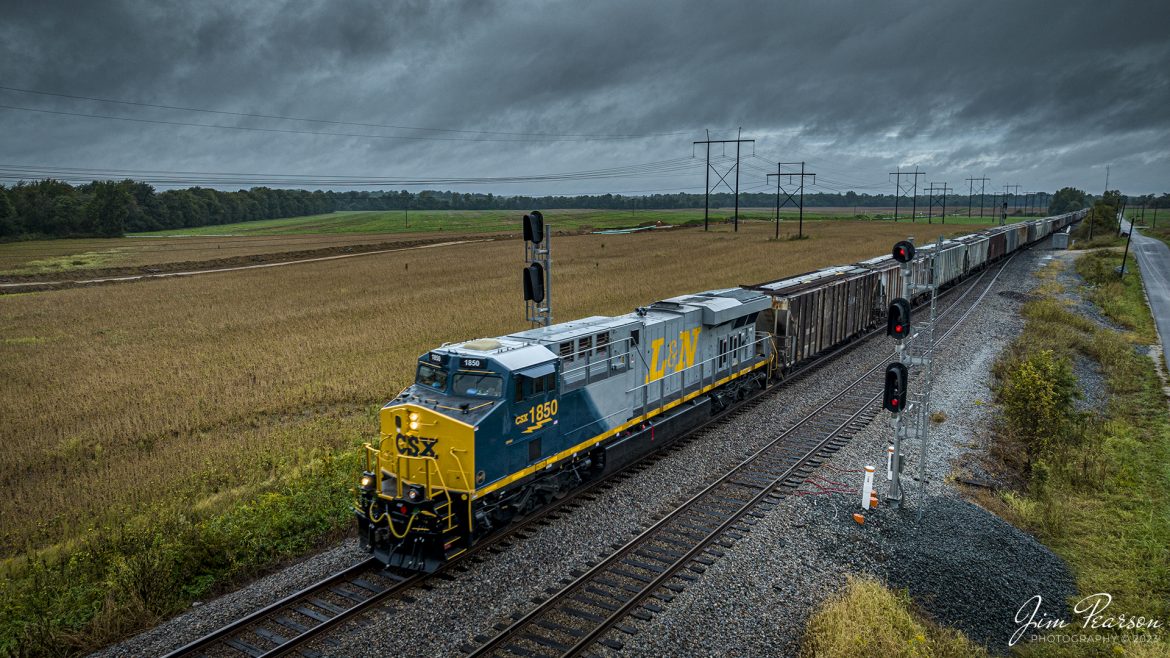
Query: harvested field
{"type": "Point", "coordinates": [201, 388]}
{"type": "Point", "coordinates": [283, 239]}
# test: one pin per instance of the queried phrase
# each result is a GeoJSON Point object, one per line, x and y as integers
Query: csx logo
{"type": "Point", "coordinates": [415, 446]}
{"type": "Point", "coordinates": [678, 355]}
{"type": "Point", "coordinates": [538, 416]}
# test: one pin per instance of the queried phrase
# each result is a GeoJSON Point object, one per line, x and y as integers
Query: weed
{"type": "Point", "coordinates": [186, 404]}
{"type": "Point", "coordinates": [866, 619]}
{"type": "Point", "coordinates": [1097, 484]}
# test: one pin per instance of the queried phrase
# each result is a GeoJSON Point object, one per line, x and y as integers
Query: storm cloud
{"type": "Point", "coordinates": [1040, 94]}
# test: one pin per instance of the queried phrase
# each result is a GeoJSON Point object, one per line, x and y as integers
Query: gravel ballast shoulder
{"type": "Point", "coordinates": [963, 566]}
{"type": "Point", "coordinates": [757, 598]}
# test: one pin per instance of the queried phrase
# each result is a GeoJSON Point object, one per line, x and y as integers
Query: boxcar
{"type": "Point", "coordinates": [1035, 231]}
{"type": "Point", "coordinates": [976, 251]}
{"type": "Point", "coordinates": [819, 310]}
{"type": "Point", "coordinates": [996, 245]}
{"type": "Point", "coordinates": [1013, 239]}
{"type": "Point", "coordinates": [1021, 235]}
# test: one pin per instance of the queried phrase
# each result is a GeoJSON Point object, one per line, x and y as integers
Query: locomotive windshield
{"type": "Point", "coordinates": [478, 385]}
{"type": "Point", "coordinates": [432, 377]}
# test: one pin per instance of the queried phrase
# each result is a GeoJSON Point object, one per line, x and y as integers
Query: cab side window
{"type": "Point", "coordinates": [527, 387]}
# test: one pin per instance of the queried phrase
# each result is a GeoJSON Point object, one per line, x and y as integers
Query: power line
{"type": "Point", "coordinates": [300, 132]}
{"type": "Point", "coordinates": [661, 168]}
{"type": "Point", "coordinates": [802, 175]}
{"type": "Point", "coordinates": [971, 192]}
{"type": "Point", "coordinates": [722, 177]}
{"type": "Point", "coordinates": [257, 115]}
{"type": "Point", "coordinates": [901, 190]}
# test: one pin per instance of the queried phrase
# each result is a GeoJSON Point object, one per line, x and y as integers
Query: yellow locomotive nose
{"type": "Point", "coordinates": [425, 447]}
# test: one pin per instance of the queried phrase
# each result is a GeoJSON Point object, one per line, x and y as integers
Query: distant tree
{"type": "Point", "coordinates": [1113, 199]}
{"type": "Point", "coordinates": [1067, 199]}
{"type": "Point", "coordinates": [108, 210]}
{"type": "Point", "coordinates": [8, 226]}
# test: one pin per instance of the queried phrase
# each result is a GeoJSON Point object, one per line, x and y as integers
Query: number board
{"type": "Point", "coordinates": [472, 363]}
{"type": "Point", "coordinates": [435, 357]}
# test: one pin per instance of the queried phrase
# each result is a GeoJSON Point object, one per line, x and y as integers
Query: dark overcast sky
{"type": "Point", "coordinates": [1040, 94]}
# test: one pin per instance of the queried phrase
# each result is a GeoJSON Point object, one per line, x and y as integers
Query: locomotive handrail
{"type": "Point", "coordinates": [466, 481]}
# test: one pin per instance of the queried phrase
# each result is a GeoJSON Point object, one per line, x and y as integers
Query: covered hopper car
{"type": "Point", "coordinates": [493, 429]}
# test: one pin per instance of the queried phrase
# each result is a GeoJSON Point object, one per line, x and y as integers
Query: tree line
{"type": "Point", "coordinates": [55, 209]}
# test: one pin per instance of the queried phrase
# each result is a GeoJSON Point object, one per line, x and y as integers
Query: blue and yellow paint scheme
{"type": "Point", "coordinates": [493, 429]}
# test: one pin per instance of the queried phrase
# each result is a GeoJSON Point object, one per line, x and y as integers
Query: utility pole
{"type": "Point", "coordinates": [901, 189]}
{"type": "Point", "coordinates": [914, 198]}
{"type": "Point", "coordinates": [1128, 238]}
{"type": "Point", "coordinates": [723, 176]}
{"type": "Point", "coordinates": [707, 185]}
{"type": "Point", "coordinates": [1015, 193]}
{"type": "Point", "coordinates": [897, 190]}
{"type": "Point", "coordinates": [788, 195]}
{"type": "Point", "coordinates": [931, 199]}
{"type": "Point", "coordinates": [982, 187]}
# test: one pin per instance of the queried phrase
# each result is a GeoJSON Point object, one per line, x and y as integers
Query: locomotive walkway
{"type": "Point", "coordinates": [1153, 258]}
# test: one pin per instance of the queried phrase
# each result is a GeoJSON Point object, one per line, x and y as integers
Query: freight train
{"type": "Point", "coordinates": [493, 429]}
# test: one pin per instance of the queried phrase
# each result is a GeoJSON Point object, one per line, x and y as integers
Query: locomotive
{"type": "Point", "coordinates": [493, 429]}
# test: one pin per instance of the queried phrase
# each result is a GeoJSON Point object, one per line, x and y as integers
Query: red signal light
{"type": "Point", "coordinates": [895, 390]}
{"type": "Point", "coordinates": [898, 319]}
{"type": "Point", "coordinates": [903, 251]}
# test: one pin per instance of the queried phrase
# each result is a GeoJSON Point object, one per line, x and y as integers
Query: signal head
{"type": "Point", "coordinates": [894, 396]}
{"type": "Point", "coordinates": [534, 283]}
{"type": "Point", "coordinates": [898, 319]}
{"type": "Point", "coordinates": [534, 227]}
{"type": "Point", "coordinates": [904, 251]}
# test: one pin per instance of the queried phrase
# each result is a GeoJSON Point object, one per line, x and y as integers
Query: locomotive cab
{"type": "Point", "coordinates": [417, 492]}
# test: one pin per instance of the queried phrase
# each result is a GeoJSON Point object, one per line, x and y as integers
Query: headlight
{"type": "Point", "coordinates": [413, 415]}
{"type": "Point", "coordinates": [414, 424]}
{"type": "Point", "coordinates": [367, 481]}
{"type": "Point", "coordinates": [414, 494]}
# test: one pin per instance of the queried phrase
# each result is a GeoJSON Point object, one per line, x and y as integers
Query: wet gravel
{"type": "Point", "coordinates": [962, 565]}
{"type": "Point", "coordinates": [492, 586]}
{"type": "Point", "coordinates": [756, 599]}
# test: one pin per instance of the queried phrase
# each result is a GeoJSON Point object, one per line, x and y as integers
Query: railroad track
{"type": "Point", "coordinates": [288, 625]}
{"type": "Point", "coordinates": [651, 568]}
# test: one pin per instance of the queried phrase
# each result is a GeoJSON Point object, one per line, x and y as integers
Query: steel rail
{"type": "Point", "coordinates": [573, 589]}
{"type": "Point", "coordinates": [403, 583]}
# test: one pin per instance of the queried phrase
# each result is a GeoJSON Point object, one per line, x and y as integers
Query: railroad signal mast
{"type": "Point", "coordinates": [911, 411]}
{"type": "Point", "coordinates": [537, 270]}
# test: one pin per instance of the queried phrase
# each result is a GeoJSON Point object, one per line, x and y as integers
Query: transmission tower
{"type": "Point", "coordinates": [722, 177]}
{"type": "Point", "coordinates": [901, 190]}
{"type": "Point", "coordinates": [933, 195]}
{"type": "Point", "coordinates": [788, 195]}
{"type": "Point", "coordinates": [982, 188]}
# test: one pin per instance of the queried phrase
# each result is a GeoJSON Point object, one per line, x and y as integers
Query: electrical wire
{"type": "Point", "coordinates": [258, 115]}
{"type": "Point", "coordinates": [304, 132]}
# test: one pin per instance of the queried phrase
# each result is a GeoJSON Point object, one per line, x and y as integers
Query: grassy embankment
{"type": "Point", "coordinates": [1098, 486]}
{"type": "Point", "coordinates": [866, 620]}
{"type": "Point", "coordinates": [1161, 232]}
{"type": "Point", "coordinates": [1097, 489]}
{"type": "Point", "coordinates": [166, 439]}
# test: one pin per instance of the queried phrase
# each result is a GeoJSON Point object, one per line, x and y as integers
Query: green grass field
{"type": "Point", "coordinates": [492, 221]}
